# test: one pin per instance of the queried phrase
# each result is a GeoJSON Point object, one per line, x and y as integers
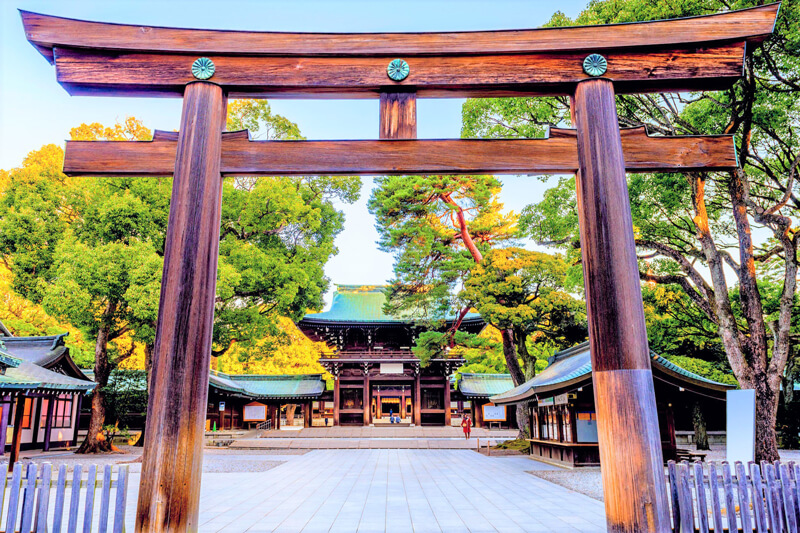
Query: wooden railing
{"type": "Point", "coordinates": [708, 497]}
{"type": "Point", "coordinates": [25, 502]}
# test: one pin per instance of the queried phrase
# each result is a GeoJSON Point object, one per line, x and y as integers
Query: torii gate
{"type": "Point", "coordinates": [589, 64]}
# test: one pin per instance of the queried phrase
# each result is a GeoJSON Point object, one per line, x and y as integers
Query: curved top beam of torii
{"type": "Point", "coordinates": [680, 54]}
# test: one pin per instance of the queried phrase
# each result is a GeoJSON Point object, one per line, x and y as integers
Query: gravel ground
{"type": "Point", "coordinates": [589, 482]}
{"type": "Point", "coordinates": [584, 480]}
{"type": "Point", "coordinates": [214, 459]}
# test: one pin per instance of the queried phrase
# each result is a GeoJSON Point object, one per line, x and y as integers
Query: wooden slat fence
{"type": "Point", "coordinates": [43, 501]}
{"type": "Point", "coordinates": [717, 497]}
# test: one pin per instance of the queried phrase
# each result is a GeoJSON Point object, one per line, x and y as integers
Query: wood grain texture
{"type": "Point", "coordinates": [173, 457]}
{"type": "Point", "coordinates": [46, 32]}
{"type": "Point", "coordinates": [630, 452]}
{"type": "Point", "coordinates": [702, 67]}
{"type": "Point", "coordinates": [613, 292]}
{"type": "Point", "coordinates": [629, 440]}
{"type": "Point", "coordinates": [365, 400]}
{"type": "Point", "coordinates": [48, 428]}
{"type": "Point", "coordinates": [557, 154]}
{"type": "Point", "coordinates": [417, 401]}
{"type": "Point", "coordinates": [336, 400]}
{"type": "Point", "coordinates": [398, 115]}
{"type": "Point", "coordinates": [16, 436]}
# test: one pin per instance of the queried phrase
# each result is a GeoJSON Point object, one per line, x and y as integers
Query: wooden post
{"type": "Point", "coordinates": [366, 398]}
{"type": "Point", "coordinates": [447, 401]}
{"type": "Point", "coordinates": [77, 420]}
{"type": "Point", "coordinates": [417, 401]}
{"type": "Point", "coordinates": [48, 424]}
{"type": "Point", "coordinates": [17, 435]}
{"type": "Point", "coordinates": [398, 115]}
{"type": "Point", "coordinates": [36, 419]}
{"type": "Point", "coordinates": [336, 400]}
{"type": "Point", "coordinates": [169, 493]}
{"type": "Point", "coordinates": [477, 413]}
{"type": "Point", "coordinates": [307, 414]}
{"type": "Point", "coordinates": [628, 435]}
{"type": "Point", "coordinates": [4, 414]}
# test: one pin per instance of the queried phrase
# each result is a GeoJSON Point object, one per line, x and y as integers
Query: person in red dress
{"type": "Point", "coordinates": [466, 425]}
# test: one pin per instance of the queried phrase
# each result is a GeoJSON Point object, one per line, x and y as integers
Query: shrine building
{"type": "Point", "coordinates": [41, 392]}
{"type": "Point", "coordinates": [376, 375]}
{"type": "Point", "coordinates": [564, 420]}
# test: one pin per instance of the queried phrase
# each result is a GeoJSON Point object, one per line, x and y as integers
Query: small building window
{"type": "Point", "coordinates": [552, 424]}
{"type": "Point", "coordinates": [62, 412]}
{"type": "Point", "coordinates": [567, 424]}
{"type": "Point", "coordinates": [26, 413]}
{"type": "Point", "coordinates": [543, 424]}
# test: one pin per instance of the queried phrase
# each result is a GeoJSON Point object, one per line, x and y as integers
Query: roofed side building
{"type": "Point", "coordinates": [377, 377]}
{"type": "Point", "coordinates": [473, 392]}
{"type": "Point", "coordinates": [563, 418]}
{"type": "Point", "coordinates": [237, 401]}
{"type": "Point", "coordinates": [41, 390]}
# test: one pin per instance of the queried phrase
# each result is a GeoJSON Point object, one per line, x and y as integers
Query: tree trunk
{"type": "Point", "coordinates": [510, 353]}
{"type": "Point", "coordinates": [699, 423]}
{"type": "Point", "coordinates": [517, 376]}
{"type": "Point", "coordinates": [290, 408]}
{"type": "Point", "coordinates": [766, 416]}
{"type": "Point", "coordinates": [95, 441]}
{"type": "Point", "coordinates": [148, 367]}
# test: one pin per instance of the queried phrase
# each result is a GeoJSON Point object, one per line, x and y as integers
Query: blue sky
{"type": "Point", "coordinates": [35, 110]}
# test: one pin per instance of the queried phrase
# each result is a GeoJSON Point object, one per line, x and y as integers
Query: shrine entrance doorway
{"type": "Point", "coordinates": [392, 401]}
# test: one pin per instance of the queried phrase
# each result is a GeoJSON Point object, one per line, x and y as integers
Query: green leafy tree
{"type": "Point", "coordinates": [89, 255]}
{"type": "Point", "coordinates": [522, 292]}
{"type": "Point", "coordinates": [695, 230]}
{"type": "Point", "coordinates": [277, 235]}
{"type": "Point", "coordinates": [90, 250]}
{"type": "Point", "coordinates": [438, 227]}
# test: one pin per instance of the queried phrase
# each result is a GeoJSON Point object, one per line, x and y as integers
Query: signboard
{"type": "Point", "coordinates": [741, 420]}
{"type": "Point", "coordinates": [561, 399]}
{"type": "Point", "coordinates": [494, 413]}
{"type": "Point", "coordinates": [391, 368]}
{"type": "Point", "coordinates": [544, 402]}
{"type": "Point", "coordinates": [255, 412]}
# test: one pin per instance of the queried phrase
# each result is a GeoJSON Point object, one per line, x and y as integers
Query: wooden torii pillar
{"type": "Point", "coordinates": [589, 64]}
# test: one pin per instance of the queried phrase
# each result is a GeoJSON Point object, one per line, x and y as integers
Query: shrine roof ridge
{"type": "Point", "coordinates": [572, 368]}
{"type": "Point", "coordinates": [47, 32]}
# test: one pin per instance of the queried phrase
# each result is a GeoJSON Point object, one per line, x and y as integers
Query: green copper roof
{"type": "Point", "coordinates": [575, 364]}
{"type": "Point", "coordinates": [21, 374]}
{"type": "Point", "coordinates": [356, 303]}
{"type": "Point", "coordinates": [360, 303]}
{"type": "Point", "coordinates": [484, 385]}
{"type": "Point", "coordinates": [269, 387]}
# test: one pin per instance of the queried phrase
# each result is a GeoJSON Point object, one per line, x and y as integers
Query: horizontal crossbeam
{"type": "Point", "coordinates": [695, 53]}
{"type": "Point", "coordinates": [697, 68]}
{"type": "Point", "coordinates": [46, 32]}
{"type": "Point", "coordinates": [556, 154]}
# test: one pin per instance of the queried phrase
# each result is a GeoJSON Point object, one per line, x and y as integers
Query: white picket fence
{"type": "Point", "coordinates": [25, 501]}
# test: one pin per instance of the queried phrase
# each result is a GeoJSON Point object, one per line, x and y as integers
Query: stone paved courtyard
{"type": "Point", "coordinates": [391, 490]}
{"type": "Point", "coordinates": [364, 437]}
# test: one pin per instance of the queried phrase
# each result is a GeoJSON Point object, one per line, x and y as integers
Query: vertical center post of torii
{"type": "Point", "coordinates": [628, 434]}
{"type": "Point", "coordinates": [169, 492]}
